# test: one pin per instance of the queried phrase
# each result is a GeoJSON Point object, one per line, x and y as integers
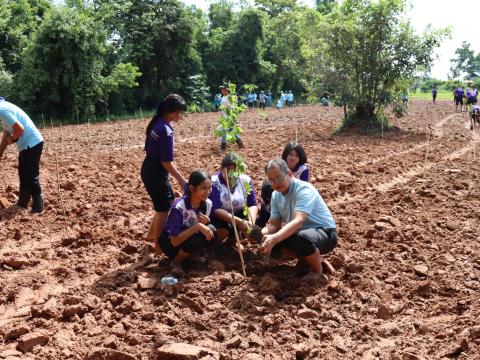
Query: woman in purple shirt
{"type": "Point", "coordinates": [296, 159]}
{"type": "Point", "coordinates": [188, 229]}
{"type": "Point", "coordinates": [158, 162]}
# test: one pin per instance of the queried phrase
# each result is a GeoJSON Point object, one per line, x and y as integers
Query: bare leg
{"type": "Point", "coordinates": [221, 234]}
{"type": "Point", "coordinates": [315, 262]}
{"type": "Point", "coordinates": [156, 227]}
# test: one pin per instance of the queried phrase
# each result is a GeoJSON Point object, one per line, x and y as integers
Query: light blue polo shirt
{"type": "Point", "coordinates": [9, 115]}
{"type": "Point", "coordinates": [302, 196]}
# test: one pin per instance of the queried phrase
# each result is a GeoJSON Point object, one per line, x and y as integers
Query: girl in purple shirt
{"type": "Point", "coordinates": [187, 229]}
{"type": "Point", "coordinates": [158, 163]}
{"type": "Point", "coordinates": [296, 159]}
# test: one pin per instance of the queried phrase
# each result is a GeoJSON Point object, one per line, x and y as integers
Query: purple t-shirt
{"type": "Point", "coordinates": [459, 92]}
{"type": "Point", "coordinates": [182, 216]}
{"type": "Point", "coordinates": [301, 172]}
{"type": "Point", "coordinates": [434, 91]}
{"type": "Point", "coordinates": [159, 143]}
{"type": "Point", "coordinates": [220, 194]}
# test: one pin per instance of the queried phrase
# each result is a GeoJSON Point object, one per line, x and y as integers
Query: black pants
{"type": "Point", "coordinates": [29, 170]}
{"type": "Point", "coordinates": [263, 217]}
{"type": "Point", "coordinates": [306, 242]}
{"type": "Point", "coordinates": [194, 243]}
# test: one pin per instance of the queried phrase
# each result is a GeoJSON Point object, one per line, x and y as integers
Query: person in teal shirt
{"type": "Point", "coordinates": [19, 128]}
{"type": "Point", "coordinates": [308, 230]}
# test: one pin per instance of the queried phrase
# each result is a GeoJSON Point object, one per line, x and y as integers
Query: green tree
{"type": "Point", "coordinates": [63, 71]}
{"type": "Point", "coordinates": [235, 53]}
{"type": "Point", "coordinates": [325, 6]}
{"type": "Point", "coordinates": [157, 36]}
{"type": "Point", "coordinates": [465, 61]}
{"type": "Point", "coordinates": [372, 48]}
{"type": "Point", "coordinates": [18, 21]}
{"type": "Point", "coordinates": [276, 7]}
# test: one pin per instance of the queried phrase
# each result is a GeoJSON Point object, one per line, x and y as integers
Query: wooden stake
{"type": "Point", "coordinates": [237, 239]}
{"type": "Point", "coordinates": [58, 186]}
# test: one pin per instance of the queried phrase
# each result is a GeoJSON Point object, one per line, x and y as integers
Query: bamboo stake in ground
{"type": "Point", "coordinates": [237, 239]}
{"type": "Point", "coordinates": [429, 135]}
{"type": "Point", "coordinates": [58, 186]}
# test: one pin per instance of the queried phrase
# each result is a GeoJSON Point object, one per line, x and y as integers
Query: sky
{"type": "Point", "coordinates": [438, 13]}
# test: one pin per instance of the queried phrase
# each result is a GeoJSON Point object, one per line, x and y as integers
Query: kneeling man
{"type": "Point", "coordinates": [308, 229]}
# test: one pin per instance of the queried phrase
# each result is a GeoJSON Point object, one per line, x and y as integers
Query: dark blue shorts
{"type": "Point", "coordinates": [155, 179]}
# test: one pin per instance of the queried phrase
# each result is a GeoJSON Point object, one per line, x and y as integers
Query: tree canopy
{"type": "Point", "coordinates": [84, 58]}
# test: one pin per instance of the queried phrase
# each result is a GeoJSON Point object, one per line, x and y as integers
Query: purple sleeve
{"type": "Point", "coordinates": [215, 197]}
{"type": "Point", "coordinates": [166, 147]}
{"type": "Point", "coordinates": [174, 223]}
{"type": "Point", "coordinates": [252, 198]}
{"type": "Point", "coordinates": [305, 175]}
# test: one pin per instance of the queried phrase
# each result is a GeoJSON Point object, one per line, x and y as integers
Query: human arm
{"type": "Point", "coordinates": [224, 215]}
{"type": "Point", "coordinates": [170, 167]}
{"type": "Point", "coordinates": [187, 233]}
{"type": "Point", "coordinates": [4, 142]}
{"type": "Point", "coordinates": [270, 239]}
{"type": "Point", "coordinates": [11, 138]}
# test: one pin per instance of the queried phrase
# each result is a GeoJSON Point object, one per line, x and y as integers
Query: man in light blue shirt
{"type": "Point", "coordinates": [19, 128]}
{"type": "Point", "coordinates": [300, 222]}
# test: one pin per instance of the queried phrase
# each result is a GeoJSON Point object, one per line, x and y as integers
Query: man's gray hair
{"type": "Point", "coordinates": [278, 163]}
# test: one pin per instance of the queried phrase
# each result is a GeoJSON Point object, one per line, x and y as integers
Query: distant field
{"type": "Point", "coordinates": [441, 95]}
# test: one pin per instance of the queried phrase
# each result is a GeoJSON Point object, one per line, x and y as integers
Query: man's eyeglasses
{"type": "Point", "coordinates": [277, 180]}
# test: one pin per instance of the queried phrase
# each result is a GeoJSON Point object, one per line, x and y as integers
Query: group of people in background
{"type": "Point", "coordinates": [470, 105]}
{"type": "Point", "coordinates": [261, 100]}
{"type": "Point", "coordinates": [292, 217]}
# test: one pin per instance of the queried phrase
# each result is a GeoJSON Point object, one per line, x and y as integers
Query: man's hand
{"type": "Point", "coordinates": [203, 219]}
{"type": "Point", "coordinates": [268, 243]}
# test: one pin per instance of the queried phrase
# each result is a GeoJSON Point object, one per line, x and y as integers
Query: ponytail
{"type": "Point", "coordinates": [170, 104]}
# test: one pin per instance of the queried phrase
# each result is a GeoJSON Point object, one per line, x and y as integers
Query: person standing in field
{"type": "Point", "coordinates": [290, 98]}
{"type": "Point", "coordinates": [262, 98]}
{"type": "Point", "coordinates": [158, 163]}
{"type": "Point", "coordinates": [19, 129]}
{"type": "Point", "coordinates": [226, 104]}
{"type": "Point", "coordinates": [458, 96]}
{"type": "Point", "coordinates": [434, 94]}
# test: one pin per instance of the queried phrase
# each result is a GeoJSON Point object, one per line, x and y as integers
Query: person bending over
{"type": "Point", "coordinates": [19, 129]}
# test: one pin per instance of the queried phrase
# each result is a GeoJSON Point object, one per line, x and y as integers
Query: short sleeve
{"type": "Point", "coordinates": [174, 222]}
{"type": "Point", "coordinates": [8, 117]}
{"type": "Point", "coordinates": [166, 144]}
{"type": "Point", "coordinates": [274, 213]}
{"type": "Point", "coordinates": [305, 175]}
{"type": "Point", "coordinates": [305, 200]}
{"type": "Point", "coordinates": [251, 198]}
{"type": "Point", "coordinates": [215, 197]}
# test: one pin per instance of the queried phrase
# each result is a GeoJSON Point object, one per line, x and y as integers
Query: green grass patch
{"type": "Point", "coordinates": [441, 95]}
